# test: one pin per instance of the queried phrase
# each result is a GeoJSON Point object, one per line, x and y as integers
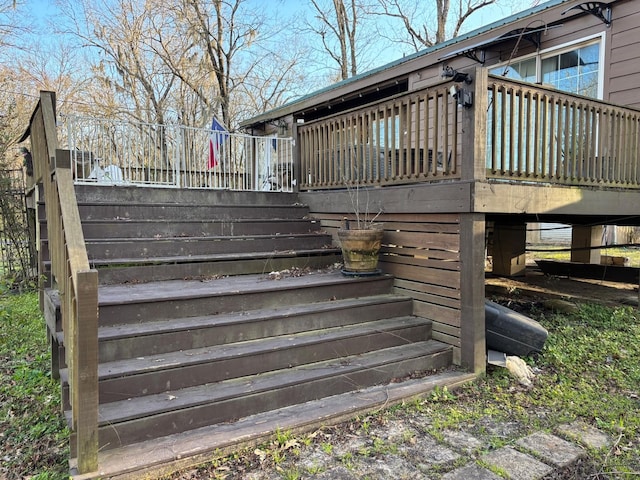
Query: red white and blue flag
{"type": "Point", "coordinates": [216, 138]}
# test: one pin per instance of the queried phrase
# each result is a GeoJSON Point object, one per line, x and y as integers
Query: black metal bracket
{"type": "Point", "coordinates": [600, 10]}
{"type": "Point", "coordinates": [473, 55]}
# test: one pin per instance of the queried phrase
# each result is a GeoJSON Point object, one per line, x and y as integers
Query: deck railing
{"type": "Point", "coordinates": [110, 151]}
{"type": "Point", "coordinates": [409, 138]}
{"type": "Point", "coordinates": [533, 134]}
{"type": "Point", "coordinates": [541, 134]}
{"type": "Point", "coordinates": [75, 281]}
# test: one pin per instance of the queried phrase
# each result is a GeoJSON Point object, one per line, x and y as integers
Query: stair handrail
{"type": "Point", "coordinates": [72, 276]}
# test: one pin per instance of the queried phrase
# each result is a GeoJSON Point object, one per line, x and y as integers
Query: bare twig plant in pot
{"type": "Point", "coordinates": [360, 239]}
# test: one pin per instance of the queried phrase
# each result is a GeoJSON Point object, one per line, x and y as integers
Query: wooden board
{"type": "Point", "coordinates": [610, 273]}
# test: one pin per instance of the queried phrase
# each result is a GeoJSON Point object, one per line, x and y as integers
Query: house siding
{"type": "Point", "coordinates": [623, 75]}
{"type": "Point", "coordinates": [621, 42]}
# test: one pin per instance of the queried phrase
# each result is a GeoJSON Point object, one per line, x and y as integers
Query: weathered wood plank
{"type": "Point", "coordinates": [428, 226]}
{"type": "Point", "coordinates": [426, 288]}
{"type": "Point", "coordinates": [441, 241]}
{"type": "Point", "coordinates": [451, 331]}
{"type": "Point", "coordinates": [421, 262]}
{"type": "Point", "coordinates": [426, 297]}
{"type": "Point", "coordinates": [203, 246]}
{"type": "Point", "coordinates": [85, 373]}
{"type": "Point", "coordinates": [421, 198]}
{"type": "Point", "coordinates": [472, 340]}
{"type": "Point", "coordinates": [437, 313]}
{"type": "Point", "coordinates": [574, 201]}
{"type": "Point", "coordinates": [425, 222]}
{"type": "Point", "coordinates": [48, 108]}
{"type": "Point", "coordinates": [444, 278]}
{"type": "Point", "coordinates": [445, 256]}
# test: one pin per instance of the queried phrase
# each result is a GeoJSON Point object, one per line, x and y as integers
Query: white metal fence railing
{"type": "Point", "coordinates": [114, 152]}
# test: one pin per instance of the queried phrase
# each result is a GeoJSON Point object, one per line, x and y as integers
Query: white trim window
{"type": "Point", "coordinates": [574, 68]}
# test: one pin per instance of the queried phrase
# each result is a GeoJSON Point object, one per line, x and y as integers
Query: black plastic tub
{"type": "Point", "coordinates": [511, 332]}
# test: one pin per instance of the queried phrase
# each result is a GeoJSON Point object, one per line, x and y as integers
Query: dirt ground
{"type": "Point", "coordinates": [539, 286]}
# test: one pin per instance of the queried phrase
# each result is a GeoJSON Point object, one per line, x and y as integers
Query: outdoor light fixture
{"type": "Point", "coordinates": [456, 76]}
{"type": "Point", "coordinates": [463, 97]}
{"type": "Point", "coordinates": [282, 127]}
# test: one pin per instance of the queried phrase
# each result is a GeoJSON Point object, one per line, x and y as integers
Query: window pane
{"type": "Point", "coordinates": [523, 70]}
{"type": "Point", "coordinates": [575, 71]}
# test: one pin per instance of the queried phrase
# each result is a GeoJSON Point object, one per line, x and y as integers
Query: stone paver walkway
{"type": "Point", "coordinates": [402, 449]}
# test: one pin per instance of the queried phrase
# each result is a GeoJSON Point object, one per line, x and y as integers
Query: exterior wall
{"type": "Point", "coordinates": [620, 43]}
{"type": "Point", "coordinates": [622, 83]}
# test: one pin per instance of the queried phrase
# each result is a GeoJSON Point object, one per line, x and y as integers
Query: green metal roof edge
{"type": "Point", "coordinates": [479, 31]}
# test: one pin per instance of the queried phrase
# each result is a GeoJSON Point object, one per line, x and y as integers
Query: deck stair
{"type": "Point", "coordinates": [218, 307]}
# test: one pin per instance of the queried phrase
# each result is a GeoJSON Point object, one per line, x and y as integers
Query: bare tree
{"type": "Point", "coordinates": [15, 255]}
{"type": "Point", "coordinates": [341, 27]}
{"type": "Point", "coordinates": [271, 83]}
{"type": "Point", "coordinates": [8, 12]}
{"type": "Point", "coordinates": [225, 52]}
{"type": "Point", "coordinates": [424, 30]}
{"type": "Point", "coordinates": [128, 77]}
{"type": "Point", "coordinates": [15, 30]}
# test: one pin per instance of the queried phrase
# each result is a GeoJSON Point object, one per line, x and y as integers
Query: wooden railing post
{"type": "Point", "coordinates": [472, 229]}
{"type": "Point", "coordinates": [82, 336]}
{"type": "Point", "coordinates": [85, 393]}
{"type": "Point", "coordinates": [474, 126]}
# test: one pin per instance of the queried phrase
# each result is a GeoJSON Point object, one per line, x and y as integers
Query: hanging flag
{"type": "Point", "coordinates": [216, 138]}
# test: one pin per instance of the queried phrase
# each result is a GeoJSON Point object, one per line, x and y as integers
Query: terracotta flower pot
{"type": "Point", "coordinates": [360, 249]}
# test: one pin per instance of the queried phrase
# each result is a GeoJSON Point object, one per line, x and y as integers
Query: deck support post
{"type": "Point", "coordinates": [582, 239]}
{"type": "Point", "coordinates": [509, 249]}
{"type": "Point", "coordinates": [473, 348]}
{"type": "Point", "coordinates": [472, 294]}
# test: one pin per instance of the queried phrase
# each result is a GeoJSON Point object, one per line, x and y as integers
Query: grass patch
{"type": "Point", "coordinates": [560, 253]}
{"type": "Point", "coordinates": [33, 436]}
{"type": "Point", "coordinates": [589, 370]}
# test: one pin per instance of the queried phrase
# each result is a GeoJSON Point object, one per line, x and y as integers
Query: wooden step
{"type": "Point", "coordinates": [138, 419]}
{"type": "Point", "coordinates": [123, 250]}
{"type": "Point", "coordinates": [136, 194]}
{"type": "Point", "coordinates": [160, 456]}
{"type": "Point", "coordinates": [103, 229]}
{"type": "Point", "coordinates": [175, 370]}
{"type": "Point", "coordinates": [157, 337]}
{"type": "Point", "coordinates": [168, 211]}
{"type": "Point", "coordinates": [169, 228]}
{"type": "Point", "coordinates": [140, 270]}
{"type": "Point", "coordinates": [134, 303]}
